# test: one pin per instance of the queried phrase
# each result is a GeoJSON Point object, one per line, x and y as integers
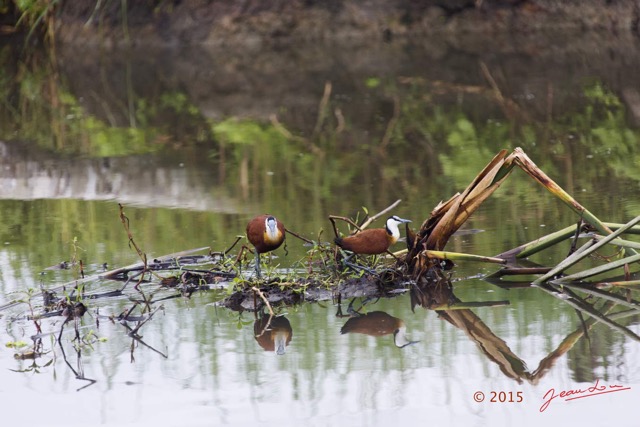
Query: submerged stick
{"type": "Point", "coordinates": [138, 266]}
{"type": "Point", "coordinates": [468, 305]}
{"type": "Point", "coordinates": [519, 271]}
{"type": "Point", "coordinates": [629, 283]}
{"type": "Point", "coordinates": [457, 256]}
{"type": "Point", "coordinates": [259, 292]}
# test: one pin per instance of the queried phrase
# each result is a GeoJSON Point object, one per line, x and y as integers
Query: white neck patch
{"type": "Point", "coordinates": [271, 228]}
{"type": "Point", "coordinates": [392, 227]}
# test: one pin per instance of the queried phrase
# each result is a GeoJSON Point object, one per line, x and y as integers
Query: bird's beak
{"type": "Point", "coordinates": [403, 342]}
{"type": "Point", "coordinates": [405, 220]}
{"type": "Point", "coordinates": [400, 339]}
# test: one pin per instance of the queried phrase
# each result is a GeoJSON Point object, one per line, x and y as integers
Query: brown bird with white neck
{"type": "Point", "coordinates": [374, 241]}
{"type": "Point", "coordinates": [266, 234]}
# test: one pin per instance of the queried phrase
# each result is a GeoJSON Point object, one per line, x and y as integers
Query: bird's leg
{"type": "Point", "coordinates": [367, 300]}
{"type": "Point", "coordinates": [339, 311]}
{"type": "Point", "coordinates": [346, 262]}
{"type": "Point", "coordinates": [258, 275]}
{"type": "Point", "coordinates": [358, 267]}
{"type": "Point", "coordinates": [353, 312]}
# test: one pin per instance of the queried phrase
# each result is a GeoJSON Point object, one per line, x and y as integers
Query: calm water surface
{"type": "Point", "coordinates": [194, 145]}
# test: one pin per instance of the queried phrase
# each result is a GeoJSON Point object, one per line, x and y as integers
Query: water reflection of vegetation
{"type": "Point", "coordinates": [497, 350]}
{"type": "Point", "coordinates": [40, 105]}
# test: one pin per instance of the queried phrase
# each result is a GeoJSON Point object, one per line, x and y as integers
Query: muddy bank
{"type": "Point", "coordinates": [255, 22]}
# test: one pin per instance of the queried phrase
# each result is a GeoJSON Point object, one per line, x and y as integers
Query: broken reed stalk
{"type": "Point", "coordinates": [462, 206]}
{"type": "Point", "coordinates": [527, 165]}
{"type": "Point", "coordinates": [448, 217]}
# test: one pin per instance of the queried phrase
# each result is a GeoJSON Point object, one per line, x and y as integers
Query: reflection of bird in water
{"type": "Point", "coordinates": [374, 241]}
{"type": "Point", "coordinates": [378, 324]}
{"type": "Point", "coordinates": [273, 335]}
{"type": "Point", "coordinates": [266, 234]}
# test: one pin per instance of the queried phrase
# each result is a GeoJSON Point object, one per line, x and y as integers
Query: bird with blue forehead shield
{"type": "Point", "coordinates": [266, 233]}
{"type": "Point", "coordinates": [373, 241]}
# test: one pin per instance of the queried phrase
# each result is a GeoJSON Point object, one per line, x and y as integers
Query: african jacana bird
{"type": "Point", "coordinates": [378, 324]}
{"type": "Point", "coordinates": [266, 234]}
{"type": "Point", "coordinates": [374, 241]}
{"type": "Point", "coordinates": [274, 335]}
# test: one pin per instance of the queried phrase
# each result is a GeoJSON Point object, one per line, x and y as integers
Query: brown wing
{"type": "Point", "coordinates": [367, 242]}
{"type": "Point", "coordinates": [255, 230]}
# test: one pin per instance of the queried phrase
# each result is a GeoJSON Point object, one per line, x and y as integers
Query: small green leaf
{"type": "Point", "coordinates": [16, 344]}
{"type": "Point", "coordinates": [372, 82]}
